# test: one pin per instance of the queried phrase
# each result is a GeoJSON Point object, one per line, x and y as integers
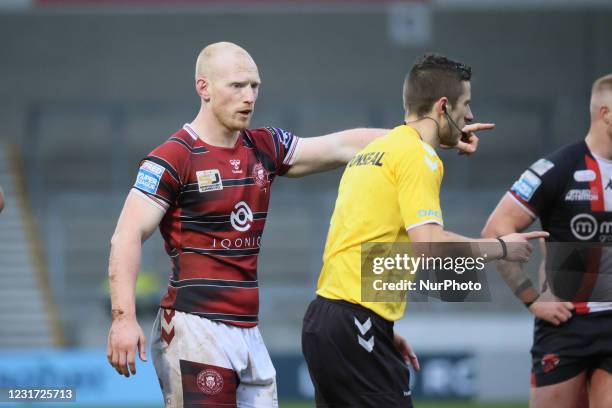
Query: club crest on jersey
{"type": "Point", "coordinates": [209, 180]}
{"type": "Point", "coordinates": [260, 175]}
{"type": "Point", "coordinates": [550, 362]}
{"type": "Point", "coordinates": [210, 382]}
{"type": "Point", "coordinates": [235, 166]}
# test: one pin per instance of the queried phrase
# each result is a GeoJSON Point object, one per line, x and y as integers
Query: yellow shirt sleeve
{"type": "Point", "coordinates": [418, 174]}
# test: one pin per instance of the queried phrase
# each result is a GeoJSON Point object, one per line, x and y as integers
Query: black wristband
{"type": "Point", "coordinates": [527, 304]}
{"type": "Point", "coordinates": [504, 248]}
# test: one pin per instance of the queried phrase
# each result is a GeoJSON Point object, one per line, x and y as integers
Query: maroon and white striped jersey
{"type": "Point", "coordinates": [216, 203]}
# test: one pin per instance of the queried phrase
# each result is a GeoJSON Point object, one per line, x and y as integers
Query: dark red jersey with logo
{"type": "Point", "coordinates": [216, 203]}
{"type": "Point", "coordinates": [571, 192]}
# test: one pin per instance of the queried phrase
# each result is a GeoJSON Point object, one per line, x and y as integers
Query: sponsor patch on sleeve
{"type": "Point", "coordinates": [149, 176]}
{"type": "Point", "coordinates": [585, 175]}
{"type": "Point", "coordinates": [283, 136]}
{"type": "Point", "coordinates": [542, 166]}
{"type": "Point", "coordinates": [526, 185]}
{"type": "Point", "coordinates": [429, 213]}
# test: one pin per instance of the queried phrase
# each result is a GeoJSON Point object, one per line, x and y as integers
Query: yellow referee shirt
{"type": "Point", "coordinates": [390, 186]}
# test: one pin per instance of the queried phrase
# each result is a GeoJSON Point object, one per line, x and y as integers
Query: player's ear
{"type": "Point", "coordinates": [606, 115]}
{"type": "Point", "coordinates": [202, 87]}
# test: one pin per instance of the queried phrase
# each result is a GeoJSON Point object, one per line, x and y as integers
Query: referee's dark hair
{"type": "Point", "coordinates": [432, 77]}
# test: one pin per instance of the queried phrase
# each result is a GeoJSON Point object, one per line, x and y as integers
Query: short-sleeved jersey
{"type": "Point", "coordinates": [216, 203]}
{"type": "Point", "coordinates": [389, 187]}
{"type": "Point", "coordinates": [571, 192]}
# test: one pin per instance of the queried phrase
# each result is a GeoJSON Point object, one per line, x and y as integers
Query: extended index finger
{"type": "Point", "coordinates": [475, 127]}
{"type": "Point", "coordinates": [535, 234]}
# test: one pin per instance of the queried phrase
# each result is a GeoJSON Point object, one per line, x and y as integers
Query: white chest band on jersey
{"type": "Point", "coordinates": [605, 168]}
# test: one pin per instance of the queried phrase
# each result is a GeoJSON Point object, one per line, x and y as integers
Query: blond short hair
{"type": "Point", "coordinates": [204, 63]}
{"type": "Point", "coordinates": [602, 84]}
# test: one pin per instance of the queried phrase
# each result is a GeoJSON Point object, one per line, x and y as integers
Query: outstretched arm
{"type": "Point", "coordinates": [321, 153]}
{"type": "Point", "coordinates": [137, 222]}
{"type": "Point", "coordinates": [518, 248]}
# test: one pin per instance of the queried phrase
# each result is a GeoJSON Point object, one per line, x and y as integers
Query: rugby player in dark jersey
{"type": "Point", "coordinates": [570, 191]}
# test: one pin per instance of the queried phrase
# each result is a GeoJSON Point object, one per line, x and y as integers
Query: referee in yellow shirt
{"type": "Point", "coordinates": [389, 192]}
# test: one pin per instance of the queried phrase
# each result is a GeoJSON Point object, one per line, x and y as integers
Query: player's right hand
{"type": "Point", "coordinates": [124, 337]}
{"type": "Point", "coordinates": [518, 246]}
{"type": "Point", "coordinates": [548, 307]}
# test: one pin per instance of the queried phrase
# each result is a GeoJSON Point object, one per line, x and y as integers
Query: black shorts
{"type": "Point", "coordinates": [351, 357]}
{"type": "Point", "coordinates": [583, 343]}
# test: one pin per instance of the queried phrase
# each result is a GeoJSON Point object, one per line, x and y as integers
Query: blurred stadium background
{"type": "Point", "coordinates": [89, 87]}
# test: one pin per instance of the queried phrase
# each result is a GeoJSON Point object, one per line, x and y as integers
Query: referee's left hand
{"type": "Point", "coordinates": [406, 351]}
{"type": "Point", "coordinates": [470, 145]}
